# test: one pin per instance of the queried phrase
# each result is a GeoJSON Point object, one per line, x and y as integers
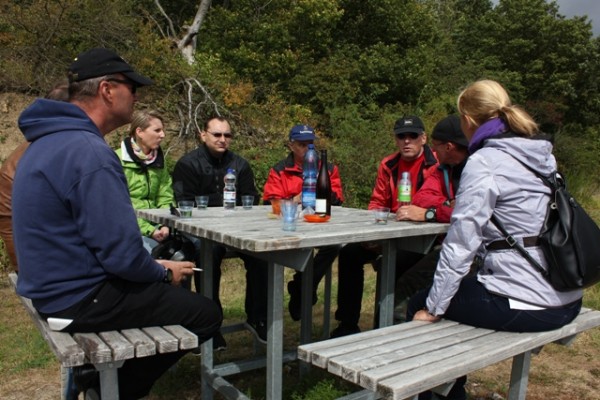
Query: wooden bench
{"type": "Point", "coordinates": [107, 351]}
{"type": "Point", "coordinates": [400, 361]}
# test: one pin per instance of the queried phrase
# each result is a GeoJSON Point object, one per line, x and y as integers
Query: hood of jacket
{"type": "Point", "coordinates": [44, 117]}
{"type": "Point", "coordinates": [535, 152]}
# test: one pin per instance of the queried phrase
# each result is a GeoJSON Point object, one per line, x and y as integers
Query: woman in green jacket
{"type": "Point", "coordinates": [148, 179]}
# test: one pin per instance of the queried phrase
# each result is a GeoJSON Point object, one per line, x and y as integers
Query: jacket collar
{"type": "Point", "coordinates": [127, 154]}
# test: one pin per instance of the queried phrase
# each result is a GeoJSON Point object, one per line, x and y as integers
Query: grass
{"type": "Point", "coordinates": [29, 370]}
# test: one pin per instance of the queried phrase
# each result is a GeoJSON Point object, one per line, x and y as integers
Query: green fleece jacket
{"type": "Point", "coordinates": [149, 185]}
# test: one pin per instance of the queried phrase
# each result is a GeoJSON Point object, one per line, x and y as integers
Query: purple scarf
{"type": "Point", "coordinates": [489, 129]}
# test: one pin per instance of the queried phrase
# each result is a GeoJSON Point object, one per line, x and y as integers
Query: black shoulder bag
{"type": "Point", "coordinates": [570, 239]}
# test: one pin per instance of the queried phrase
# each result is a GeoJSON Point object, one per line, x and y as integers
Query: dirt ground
{"type": "Point", "coordinates": [11, 106]}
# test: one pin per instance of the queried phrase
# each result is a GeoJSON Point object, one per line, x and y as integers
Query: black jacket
{"type": "Point", "coordinates": [199, 173]}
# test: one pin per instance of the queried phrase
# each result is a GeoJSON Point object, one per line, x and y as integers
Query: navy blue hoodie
{"type": "Point", "coordinates": [74, 225]}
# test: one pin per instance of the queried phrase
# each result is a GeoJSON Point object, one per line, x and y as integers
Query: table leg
{"type": "Point", "coordinates": [386, 277]}
{"type": "Point", "coordinates": [207, 361]}
{"type": "Point", "coordinates": [306, 309]}
{"type": "Point", "coordinates": [275, 332]}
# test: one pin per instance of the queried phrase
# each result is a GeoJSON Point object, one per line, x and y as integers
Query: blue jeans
{"type": "Point", "coordinates": [474, 305]}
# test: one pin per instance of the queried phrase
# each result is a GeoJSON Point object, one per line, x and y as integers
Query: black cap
{"type": "Point", "coordinates": [99, 62]}
{"type": "Point", "coordinates": [448, 130]}
{"type": "Point", "coordinates": [407, 124]}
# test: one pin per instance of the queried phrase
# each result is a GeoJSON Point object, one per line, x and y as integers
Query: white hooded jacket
{"type": "Point", "coordinates": [493, 181]}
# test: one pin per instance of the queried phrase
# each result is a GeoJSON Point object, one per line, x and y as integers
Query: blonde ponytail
{"type": "Point", "coordinates": [487, 99]}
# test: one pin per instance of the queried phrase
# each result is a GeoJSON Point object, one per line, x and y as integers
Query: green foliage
{"type": "Point", "coordinates": [585, 143]}
{"type": "Point", "coordinates": [347, 67]}
{"type": "Point", "coordinates": [321, 390]}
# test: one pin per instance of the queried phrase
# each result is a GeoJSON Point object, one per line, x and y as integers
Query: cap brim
{"type": "Point", "coordinates": [304, 137]}
{"type": "Point", "coordinates": [408, 130]}
{"type": "Point", "coordinates": [137, 78]}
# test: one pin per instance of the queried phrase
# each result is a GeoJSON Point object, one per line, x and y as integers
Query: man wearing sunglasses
{"type": "Point", "coordinates": [81, 256]}
{"type": "Point", "coordinates": [416, 158]}
{"type": "Point", "coordinates": [202, 172]}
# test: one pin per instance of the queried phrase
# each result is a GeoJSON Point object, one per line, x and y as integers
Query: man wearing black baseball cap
{"type": "Point", "coordinates": [434, 202]}
{"type": "Point", "coordinates": [81, 256]}
{"type": "Point", "coordinates": [416, 158]}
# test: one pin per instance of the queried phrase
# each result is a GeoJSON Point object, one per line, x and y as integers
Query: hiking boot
{"type": "Point", "coordinates": [344, 330]}
{"type": "Point", "coordinates": [258, 329]}
{"type": "Point", "coordinates": [219, 343]}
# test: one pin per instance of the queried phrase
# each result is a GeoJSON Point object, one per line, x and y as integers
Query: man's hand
{"type": "Point", "coordinates": [181, 269]}
{"type": "Point", "coordinates": [423, 315]}
{"type": "Point", "coordinates": [410, 213]}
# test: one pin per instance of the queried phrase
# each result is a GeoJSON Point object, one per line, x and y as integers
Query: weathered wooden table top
{"type": "Point", "coordinates": [257, 230]}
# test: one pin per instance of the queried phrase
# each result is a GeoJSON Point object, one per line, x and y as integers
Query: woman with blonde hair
{"type": "Point", "coordinates": [507, 292]}
{"type": "Point", "coordinates": [148, 179]}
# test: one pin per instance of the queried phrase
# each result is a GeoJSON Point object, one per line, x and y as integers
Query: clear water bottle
{"type": "Point", "coordinates": [229, 190]}
{"type": "Point", "coordinates": [404, 190]}
{"type": "Point", "coordinates": [309, 178]}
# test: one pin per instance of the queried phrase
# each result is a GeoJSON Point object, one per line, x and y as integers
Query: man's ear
{"type": "Point", "coordinates": [105, 90]}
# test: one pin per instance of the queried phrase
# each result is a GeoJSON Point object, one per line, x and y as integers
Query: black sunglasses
{"type": "Point", "coordinates": [125, 82]}
{"type": "Point", "coordinates": [412, 135]}
{"type": "Point", "coordinates": [219, 135]}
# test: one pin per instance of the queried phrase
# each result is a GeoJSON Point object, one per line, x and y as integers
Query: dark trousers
{"type": "Point", "coordinates": [351, 277]}
{"type": "Point", "coordinates": [256, 283]}
{"type": "Point", "coordinates": [323, 259]}
{"type": "Point", "coordinates": [118, 304]}
{"type": "Point", "coordinates": [474, 305]}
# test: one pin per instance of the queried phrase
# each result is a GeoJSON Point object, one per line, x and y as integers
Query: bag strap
{"type": "Point", "coordinates": [513, 243]}
{"type": "Point", "coordinates": [551, 181]}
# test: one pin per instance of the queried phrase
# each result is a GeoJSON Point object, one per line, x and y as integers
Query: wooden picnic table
{"type": "Point", "coordinates": [258, 232]}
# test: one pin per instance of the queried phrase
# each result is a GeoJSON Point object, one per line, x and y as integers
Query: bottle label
{"type": "Point", "coordinates": [309, 199]}
{"type": "Point", "coordinates": [229, 196]}
{"type": "Point", "coordinates": [321, 206]}
{"type": "Point", "coordinates": [404, 194]}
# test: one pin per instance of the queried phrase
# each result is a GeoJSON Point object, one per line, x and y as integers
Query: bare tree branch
{"type": "Point", "coordinates": [187, 44]}
{"type": "Point", "coordinates": [162, 11]}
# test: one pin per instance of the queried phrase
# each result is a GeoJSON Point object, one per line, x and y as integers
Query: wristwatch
{"type": "Point", "coordinates": [430, 214]}
{"type": "Point", "coordinates": [168, 277]}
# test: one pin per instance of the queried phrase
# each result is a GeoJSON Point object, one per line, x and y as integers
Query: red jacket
{"type": "Point", "coordinates": [285, 181]}
{"type": "Point", "coordinates": [385, 192]}
{"type": "Point", "coordinates": [439, 189]}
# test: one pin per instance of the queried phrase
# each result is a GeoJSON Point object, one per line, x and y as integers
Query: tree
{"type": "Point", "coordinates": [187, 44]}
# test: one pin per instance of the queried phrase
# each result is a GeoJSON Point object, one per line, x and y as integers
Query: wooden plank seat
{"type": "Point", "coordinates": [107, 351]}
{"type": "Point", "coordinates": [400, 361]}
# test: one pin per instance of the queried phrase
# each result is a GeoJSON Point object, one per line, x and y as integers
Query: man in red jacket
{"type": "Point", "coordinates": [414, 156]}
{"type": "Point", "coordinates": [285, 182]}
{"type": "Point", "coordinates": [434, 202]}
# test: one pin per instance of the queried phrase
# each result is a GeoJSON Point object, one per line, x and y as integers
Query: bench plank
{"type": "Point", "coordinates": [319, 353]}
{"type": "Point", "coordinates": [187, 340]}
{"type": "Point", "coordinates": [420, 357]}
{"type": "Point", "coordinates": [144, 346]}
{"type": "Point", "coordinates": [165, 342]}
{"type": "Point", "coordinates": [121, 348]}
{"type": "Point", "coordinates": [403, 360]}
{"type": "Point", "coordinates": [96, 351]}
{"type": "Point", "coordinates": [348, 365]}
